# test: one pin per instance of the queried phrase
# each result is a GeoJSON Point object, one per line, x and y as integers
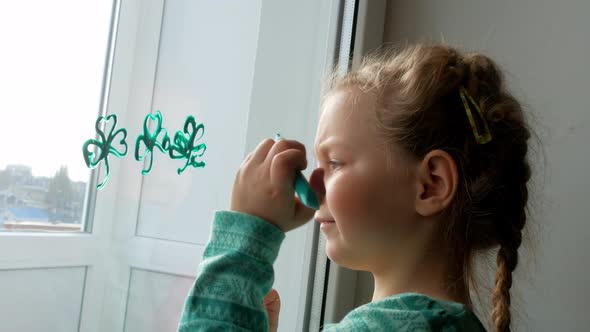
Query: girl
{"type": "Point", "coordinates": [422, 163]}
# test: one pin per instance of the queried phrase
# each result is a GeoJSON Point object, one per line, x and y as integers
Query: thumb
{"type": "Point", "coordinates": [272, 303]}
{"type": "Point", "coordinates": [302, 212]}
{"type": "Point", "coordinates": [272, 299]}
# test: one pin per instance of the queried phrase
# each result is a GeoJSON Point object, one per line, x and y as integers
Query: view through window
{"type": "Point", "coordinates": [52, 70]}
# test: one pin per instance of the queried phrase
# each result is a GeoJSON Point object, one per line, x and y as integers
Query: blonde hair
{"type": "Point", "coordinates": [419, 109]}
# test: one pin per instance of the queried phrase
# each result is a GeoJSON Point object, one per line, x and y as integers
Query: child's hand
{"type": "Point", "coordinates": [263, 186]}
{"type": "Point", "coordinates": [272, 303]}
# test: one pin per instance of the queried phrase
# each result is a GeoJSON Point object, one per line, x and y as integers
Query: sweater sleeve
{"type": "Point", "coordinates": [235, 274]}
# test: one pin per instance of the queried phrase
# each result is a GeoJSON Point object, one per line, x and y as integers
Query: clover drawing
{"type": "Point", "coordinates": [150, 140]}
{"type": "Point", "coordinates": [101, 148]}
{"type": "Point", "coordinates": [184, 144]}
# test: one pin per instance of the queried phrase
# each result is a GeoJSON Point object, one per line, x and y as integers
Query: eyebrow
{"type": "Point", "coordinates": [328, 143]}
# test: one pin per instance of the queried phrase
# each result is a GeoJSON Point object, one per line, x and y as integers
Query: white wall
{"type": "Point", "coordinates": [544, 48]}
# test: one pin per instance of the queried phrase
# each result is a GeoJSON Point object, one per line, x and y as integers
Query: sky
{"type": "Point", "coordinates": [52, 59]}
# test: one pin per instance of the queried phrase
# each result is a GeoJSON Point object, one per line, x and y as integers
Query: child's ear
{"type": "Point", "coordinates": [437, 181]}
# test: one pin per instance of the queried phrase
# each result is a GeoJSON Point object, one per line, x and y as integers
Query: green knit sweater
{"type": "Point", "coordinates": [236, 273]}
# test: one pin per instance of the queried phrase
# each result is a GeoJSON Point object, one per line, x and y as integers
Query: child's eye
{"type": "Point", "coordinates": [334, 164]}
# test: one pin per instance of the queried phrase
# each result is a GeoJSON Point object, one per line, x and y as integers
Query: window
{"type": "Point", "coordinates": [53, 69]}
{"type": "Point", "coordinates": [223, 62]}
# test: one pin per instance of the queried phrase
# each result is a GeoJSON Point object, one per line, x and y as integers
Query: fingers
{"type": "Point", "coordinates": [259, 154]}
{"type": "Point", "coordinates": [283, 145]}
{"type": "Point", "coordinates": [272, 303]}
{"type": "Point", "coordinates": [267, 149]}
{"type": "Point", "coordinates": [284, 166]}
{"type": "Point", "coordinates": [284, 157]}
{"type": "Point", "coordinates": [302, 212]}
{"type": "Point", "coordinates": [269, 171]}
{"type": "Point", "coordinates": [316, 181]}
{"type": "Point", "coordinates": [272, 296]}
{"type": "Point", "coordinates": [247, 159]}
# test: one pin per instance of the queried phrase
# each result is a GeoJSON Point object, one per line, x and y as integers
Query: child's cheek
{"type": "Point", "coordinates": [348, 198]}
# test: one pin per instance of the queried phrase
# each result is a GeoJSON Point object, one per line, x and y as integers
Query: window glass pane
{"type": "Point", "coordinates": [52, 67]}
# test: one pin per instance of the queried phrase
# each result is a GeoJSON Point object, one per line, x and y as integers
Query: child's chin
{"type": "Point", "coordinates": [330, 252]}
{"type": "Point", "coordinates": [341, 257]}
{"type": "Point", "coordinates": [334, 254]}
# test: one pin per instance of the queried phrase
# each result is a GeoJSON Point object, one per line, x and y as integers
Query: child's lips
{"type": "Point", "coordinates": [325, 223]}
{"type": "Point", "coordinates": [322, 221]}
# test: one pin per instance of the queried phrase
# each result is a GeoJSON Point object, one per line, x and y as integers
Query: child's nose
{"type": "Point", "coordinates": [316, 180]}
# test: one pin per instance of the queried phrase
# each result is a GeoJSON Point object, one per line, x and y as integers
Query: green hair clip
{"type": "Point", "coordinates": [479, 138]}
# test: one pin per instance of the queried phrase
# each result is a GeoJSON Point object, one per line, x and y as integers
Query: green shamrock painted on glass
{"type": "Point", "coordinates": [184, 144]}
{"type": "Point", "coordinates": [150, 140]}
{"type": "Point", "coordinates": [104, 146]}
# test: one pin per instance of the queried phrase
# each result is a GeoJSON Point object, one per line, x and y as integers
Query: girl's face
{"type": "Point", "coordinates": [371, 202]}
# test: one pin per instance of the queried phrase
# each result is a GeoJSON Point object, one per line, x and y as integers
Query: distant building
{"type": "Point", "coordinates": [33, 219]}
{"type": "Point", "coordinates": [26, 202]}
{"type": "Point", "coordinates": [31, 195]}
{"type": "Point", "coordinates": [4, 197]}
{"type": "Point", "coordinates": [20, 174]}
{"type": "Point", "coordinates": [7, 198]}
{"type": "Point", "coordinates": [24, 214]}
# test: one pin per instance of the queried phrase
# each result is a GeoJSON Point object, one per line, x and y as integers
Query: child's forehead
{"type": "Point", "coordinates": [347, 114]}
{"type": "Point", "coordinates": [346, 103]}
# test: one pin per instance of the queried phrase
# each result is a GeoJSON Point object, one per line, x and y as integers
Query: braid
{"type": "Point", "coordinates": [501, 295]}
{"type": "Point", "coordinates": [508, 258]}
{"type": "Point", "coordinates": [499, 191]}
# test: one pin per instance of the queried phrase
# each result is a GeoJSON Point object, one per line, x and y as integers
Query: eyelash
{"type": "Point", "coordinates": [334, 164]}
